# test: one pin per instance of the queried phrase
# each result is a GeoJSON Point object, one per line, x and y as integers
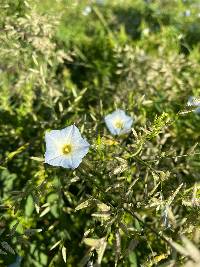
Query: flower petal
{"type": "Point", "coordinates": [193, 101]}
{"type": "Point", "coordinates": [78, 155]}
{"type": "Point", "coordinates": [56, 161]}
{"type": "Point", "coordinates": [52, 145]}
{"type": "Point", "coordinates": [51, 154]}
{"type": "Point", "coordinates": [66, 134]}
{"type": "Point", "coordinates": [76, 135]}
{"type": "Point", "coordinates": [55, 140]}
{"type": "Point", "coordinates": [127, 125]}
{"type": "Point", "coordinates": [67, 162]}
{"type": "Point", "coordinates": [111, 119]}
{"type": "Point", "coordinates": [52, 136]}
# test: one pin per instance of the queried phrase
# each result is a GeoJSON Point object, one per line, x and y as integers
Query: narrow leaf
{"type": "Point", "coordinates": [84, 205]}
{"type": "Point", "coordinates": [55, 245]}
{"type": "Point", "coordinates": [64, 254]}
{"type": "Point", "coordinates": [170, 200]}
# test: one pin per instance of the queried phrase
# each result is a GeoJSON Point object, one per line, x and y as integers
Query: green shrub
{"type": "Point", "coordinates": [134, 200]}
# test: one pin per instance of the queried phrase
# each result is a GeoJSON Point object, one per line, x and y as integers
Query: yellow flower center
{"type": "Point", "coordinates": [119, 124]}
{"type": "Point", "coordinates": [66, 149]}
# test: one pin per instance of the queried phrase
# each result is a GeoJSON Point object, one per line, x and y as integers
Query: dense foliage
{"type": "Point", "coordinates": [134, 200]}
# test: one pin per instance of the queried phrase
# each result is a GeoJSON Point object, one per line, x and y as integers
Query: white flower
{"type": "Point", "coordinates": [187, 13]}
{"type": "Point", "coordinates": [100, 2]}
{"type": "Point", "coordinates": [65, 147]}
{"type": "Point", "coordinates": [87, 10]}
{"type": "Point", "coordinates": [195, 102]}
{"type": "Point", "coordinates": [118, 122]}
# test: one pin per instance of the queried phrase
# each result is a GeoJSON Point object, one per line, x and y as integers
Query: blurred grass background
{"type": "Point", "coordinates": [64, 62]}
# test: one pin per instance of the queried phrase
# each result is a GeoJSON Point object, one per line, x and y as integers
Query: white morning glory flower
{"type": "Point", "coordinates": [100, 2]}
{"type": "Point", "coordinates": [65, 147]}
{"type": "Point", "coordinates": [187, 13]}
{"type": "Point", "coordinates": [194, 102]}
{"type": "Point", "coordinates": [118, 122]}
{"type": "Point", "coordinates": [87, 10]}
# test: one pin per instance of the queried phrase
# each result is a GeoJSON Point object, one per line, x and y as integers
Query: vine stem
{"type": "Point", "coordinates": [147, 226]}
{"type": "Point", "coordinates": [133, 215]}
{"type": "Point", "coordinates": [164, 238]}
